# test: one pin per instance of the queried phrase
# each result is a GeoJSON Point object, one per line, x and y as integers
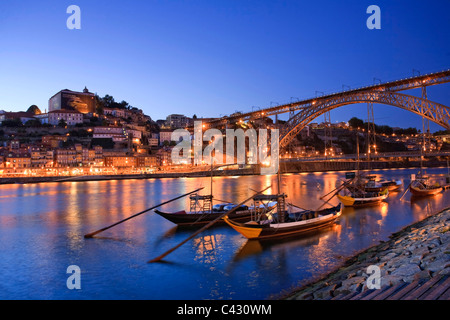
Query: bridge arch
{"type": "Point", "coordinates": [433, 111]}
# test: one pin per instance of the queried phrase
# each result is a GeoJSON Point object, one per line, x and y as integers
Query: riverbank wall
{"type": "Point", "coordinates": [286, 166]}
{"type": "Point", "coordinates": [420, 251]}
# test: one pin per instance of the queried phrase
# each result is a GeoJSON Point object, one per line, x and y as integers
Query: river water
{"type": "Point", "coordinates": [42, 228]}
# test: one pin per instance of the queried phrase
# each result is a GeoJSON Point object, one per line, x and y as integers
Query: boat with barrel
{"type": "Point", "coordinates": [422, 187]}
{"type": "Point", "coordinates": [391, 185]}
{"type": "Point", "coordinates": [287, 221]}
{"type": "Point", "coordinates": [358, 198]}
{"type": "Point", "coordinates": [201, 212]}
{"type": "Point", "coordinates": [362, 191]}
{"type": "Point", "coordinates": [373, 185]}
{"type": "Point", "coordinates": [354, 192]}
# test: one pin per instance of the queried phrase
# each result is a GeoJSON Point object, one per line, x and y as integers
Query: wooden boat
{"type": "Point", "coordinates": [420, 184]}
{"type": "Point", "coordinates": [201, 212]}
{"type": "Point", "coordinates": [372, 185]}
{"type": "Point", "coordinates": [183, 218]}
{"type": "Point", "coordinates": [284, 223]}
{"type": "Point", "coordinates": [295, 223]}
{"type": "Point", "coordinates": [420, 188]}
{"type": "Point", "coordinates": [391, 185]}
{"type": "Point", "coordinates": [362, 199]}
{"type": "Point", "coordinates": [362, 192]}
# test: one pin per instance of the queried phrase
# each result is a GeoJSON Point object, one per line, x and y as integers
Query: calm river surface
{"type": "Point", "coordinates": [42, 228]}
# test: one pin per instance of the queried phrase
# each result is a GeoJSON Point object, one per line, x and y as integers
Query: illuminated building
{"type": "Point", "coordinates": [83, 102]}
{"type": "Point", "coordinates": [70, 117]}
{"type": "Point", "coordinates": [17, 161]}
{"type": "Point", "coordinates": [117, 134]}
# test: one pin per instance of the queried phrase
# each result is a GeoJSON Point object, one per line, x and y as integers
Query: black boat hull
{"type": "Point", "coordinates": [186, 219]}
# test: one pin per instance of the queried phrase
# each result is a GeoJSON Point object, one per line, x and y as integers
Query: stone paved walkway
{"type": "Point", "coordinates": [417, 254]}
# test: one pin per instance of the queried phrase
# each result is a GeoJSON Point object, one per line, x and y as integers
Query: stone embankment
{"type": "Point", "coordinates": [419, 251]}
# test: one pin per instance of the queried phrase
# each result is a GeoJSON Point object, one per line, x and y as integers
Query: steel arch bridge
{"type": "Point", "coordinates": [433, 111]}
{"type": "Point", "coordinates": [383, 93]}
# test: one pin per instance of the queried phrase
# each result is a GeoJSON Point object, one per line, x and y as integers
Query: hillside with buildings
{"type": "Point", "coordinates": [82, 133]}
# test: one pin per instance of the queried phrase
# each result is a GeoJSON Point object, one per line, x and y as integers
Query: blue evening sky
{"type": "Point", "coordinates": [213, 58]}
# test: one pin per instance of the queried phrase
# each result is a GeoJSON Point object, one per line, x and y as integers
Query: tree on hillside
{"type": "Point", "coordinates": [62, 123]}
{"type": "Point", "coordinates": [33, 123]}
{"type": "Point", "coordinates": [12, 123]}
{"type": "Point", "coordinates": [441, 132]}
{"type": "Point", "coordinates": [356, 123]}
{"type": "Point", "coordinates": [407, 131]}
{"type": "Point", "coordinates": [99, 105]}
{"type": "Point", "coordinates": [108, 101]}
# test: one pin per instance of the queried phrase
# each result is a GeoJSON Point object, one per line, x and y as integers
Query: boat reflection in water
{"type": "Point", "coordinates": [427, 205]}
{"type": "Point", "coordinates": [312, 238]}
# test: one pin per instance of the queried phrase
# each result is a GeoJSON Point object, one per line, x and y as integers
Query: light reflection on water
{"type": "Point", "coordinates": [42, 228]}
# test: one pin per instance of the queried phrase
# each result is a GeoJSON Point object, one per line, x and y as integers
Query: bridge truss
{"type": "Point", "coordinates": [304, 111]}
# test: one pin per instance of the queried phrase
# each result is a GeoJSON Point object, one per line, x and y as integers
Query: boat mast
{"type": "Point", "coordinates": [422, 148]}
{"type": "Point", "coordinates": [211, 175]}
{"type": "Point", "coordinates": [358, 178]}
{"type": "Point", "coordinates": [281, 199]}
{"type": "Point", "coordinates": [357, 153]}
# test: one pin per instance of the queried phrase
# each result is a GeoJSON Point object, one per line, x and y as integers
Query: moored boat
{"type": "Point", "coordinates": [202, 212]}
{"type": "Point", "coordinates": [362, 199]}
{"type": "Point", "coordinates": [294, 224]}
{"type": "Point", "coordinates": [391, 185]}
{"type": "Point", "coordinates": [187, 219]}
{"type": "Point", "coordinates": [373, 185]}
{"type": "Point", "coordinates": [421, 189]}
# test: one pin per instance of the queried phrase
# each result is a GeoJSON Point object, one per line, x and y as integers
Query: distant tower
{"type": "Point", "coordinates": [85, 90]}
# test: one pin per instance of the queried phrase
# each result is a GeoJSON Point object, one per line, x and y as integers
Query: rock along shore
{"type": "Point", "coordinates": [418, 251]}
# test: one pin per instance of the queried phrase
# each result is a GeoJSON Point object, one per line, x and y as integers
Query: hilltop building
{"type": "Point", "coordinates": [83, 102]}
{"type": "Point", "coordinates": [178, 121]}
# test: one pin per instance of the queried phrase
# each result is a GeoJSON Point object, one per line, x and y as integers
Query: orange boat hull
{"type": "Point", "coordinates": [424, 192]}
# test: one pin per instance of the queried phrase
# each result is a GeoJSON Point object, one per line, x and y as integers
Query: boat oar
{"type": "Point", "coordinates": [344, 184]}
{"type": "Point", "coordinates": [329, 192]}
{"type": "Point", "coordinates": [327, 201]}
{"type": "Point", "coordinates": [407, 188]}
{"type": "Point", "coordinates": [90, 235]}
{"type": "Point", "coordinates": [159, 258]}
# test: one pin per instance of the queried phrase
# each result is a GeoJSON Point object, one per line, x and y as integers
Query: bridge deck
{"type": "Point", "coordinates": [391, 86]}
